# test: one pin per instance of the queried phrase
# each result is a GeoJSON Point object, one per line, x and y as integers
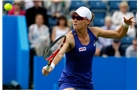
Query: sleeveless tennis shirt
{"type": "Point", "coordinates": [78, 70]}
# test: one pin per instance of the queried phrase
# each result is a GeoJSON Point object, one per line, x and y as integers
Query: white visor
{"type": "Point", "coordinates": [83, 12]}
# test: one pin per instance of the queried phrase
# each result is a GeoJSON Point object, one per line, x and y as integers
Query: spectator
{"type": "Point", "coordinates": [114, 50]}
{"type": "Point", "coordinates": [28, 4]}
{"type": "Point", "coordinates": [136, 18]}
{"type": "Point", "coordinates": [56, 8]}
{"type": "Point", "coordinates": [117, 18]}
{"type": "Point", "coordinates": [103, 42]}
{"type": "Point", "coordinates": [32, 12]}
{"type": "Point", "coordinates": [60, 29]}
{"type": "Point", "coordinates": [131, 51]}
{"type": "Point", "coordinates": [16, 10]}
{"type": "Point", "coordinates": [98, 49]}
{"type": "Point", "coordinates": [136, 24]}
{"type": "Point", "coordinates": [39, 39]}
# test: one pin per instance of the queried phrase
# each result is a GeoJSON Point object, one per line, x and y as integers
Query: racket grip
{"type": "Point", "coordinates": [48, 67]}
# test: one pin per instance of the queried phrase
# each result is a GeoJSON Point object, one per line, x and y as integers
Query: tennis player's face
{"type": "Point", "coordinates": [78, 22]}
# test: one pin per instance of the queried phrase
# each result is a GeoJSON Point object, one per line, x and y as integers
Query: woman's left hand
{"type": "Point", "coordinates": [129, 22]}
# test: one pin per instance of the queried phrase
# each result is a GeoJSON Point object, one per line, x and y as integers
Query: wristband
{"type": "Point", "coordinates": [125, 25]}
{"type": "Point", "coordinates": [52, 65]}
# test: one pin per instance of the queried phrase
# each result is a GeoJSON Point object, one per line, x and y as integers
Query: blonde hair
{"type": "Point", "coordinates": [108, 18]}
{"type": "Point", "coordinates": [123, 4]}
{"type": "Point", "coordinates": [91, 19]}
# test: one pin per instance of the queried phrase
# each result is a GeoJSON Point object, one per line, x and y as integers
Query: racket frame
{"type": "Point", "coordinates": [51, 57]}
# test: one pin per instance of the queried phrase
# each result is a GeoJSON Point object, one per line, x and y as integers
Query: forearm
{"type": "Point", "coordinates": [57, 58]}
{"type": "Point", "coordinates": [122, 31]}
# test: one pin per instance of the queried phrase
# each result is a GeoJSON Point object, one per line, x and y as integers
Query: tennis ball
{"type": "Point", "coordinates": [7, 6]}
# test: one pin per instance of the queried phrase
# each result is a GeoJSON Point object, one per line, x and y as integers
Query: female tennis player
{"type": "Point", "coordinates": [79, 49]}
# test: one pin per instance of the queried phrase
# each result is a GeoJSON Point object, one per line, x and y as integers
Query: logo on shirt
{"type": "Point", "coordinates": [94, 44]}
{"type": "Point", "coordinates": [82, 49]}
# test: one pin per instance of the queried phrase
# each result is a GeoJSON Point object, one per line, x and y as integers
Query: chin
{"type": "Point", "coordinates": [75, 28]}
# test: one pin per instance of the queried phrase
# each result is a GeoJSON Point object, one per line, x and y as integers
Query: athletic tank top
{"type": "Point", "coordinates": [78, 70]}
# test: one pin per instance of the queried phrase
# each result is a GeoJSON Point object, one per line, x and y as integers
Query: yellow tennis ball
{"type": "Point", "coordinates": [7, 6]}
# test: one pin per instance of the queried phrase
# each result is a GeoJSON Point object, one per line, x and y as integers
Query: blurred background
{"type": "Point", "coordinates": [32, 25]}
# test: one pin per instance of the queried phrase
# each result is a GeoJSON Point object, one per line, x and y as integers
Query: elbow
{"type": "Point", "coordinates": [118, 36]}
{"type": "Point", "coordinates": [60, 55]}
{"type": "Point", "coordinates": [121, 36]}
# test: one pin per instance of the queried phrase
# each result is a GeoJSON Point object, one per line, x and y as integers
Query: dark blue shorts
{"type": "Point", "coordinates": [63, 86]}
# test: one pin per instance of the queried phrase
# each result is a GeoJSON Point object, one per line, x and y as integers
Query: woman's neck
{"type": "Point", "coordinates": [82, 33]}
{"type": "Point", "coordinates": [124, 12]}
{"type": "Point", "coordinates": [16, 12]}
{"type": "Point", "coordinates": [61, 27]}
{"type": "Point", "coordinates": [39, 25]}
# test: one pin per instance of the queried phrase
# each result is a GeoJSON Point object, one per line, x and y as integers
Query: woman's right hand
{"type": "Point", "coordinates": [44, 70]}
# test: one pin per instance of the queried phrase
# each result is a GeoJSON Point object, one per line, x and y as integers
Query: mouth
{"type": "Point", "coordinates": [75, 24]}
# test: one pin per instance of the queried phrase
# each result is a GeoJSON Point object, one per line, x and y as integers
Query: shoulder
{"type": "Point", "coordinates": [116, 12]}
{"type": "Point", "coordinates": [95, 30]}
{"type": "Point", "coordinates": [129, 48]}
{"type": "Point", "coordinates": [130, 14]}
{"type": "Point", "coordinates": [55, 28]}
{"type": "Point", "coordinates": [32, 26]}
{"type": "Point", "coordinates": [69, 35]}
{"type": "Point", "coordinates": [30, 9]}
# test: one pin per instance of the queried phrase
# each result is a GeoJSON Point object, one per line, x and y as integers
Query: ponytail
{"type": "Point", "coordinates": [91, 19]}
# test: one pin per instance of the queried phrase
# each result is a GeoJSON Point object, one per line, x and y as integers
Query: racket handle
{"type": "Point", "coordinates": [52, 65]}
{"type": "Point", "coordinates": [48, 67]}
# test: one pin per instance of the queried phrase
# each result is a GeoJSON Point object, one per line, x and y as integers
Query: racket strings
{"type": "Point", "coordinates": [62, 43]}
{"type": "Point", "coordinates": [51, 57]}
{"type": "Point", "coordinates": [55, 50]}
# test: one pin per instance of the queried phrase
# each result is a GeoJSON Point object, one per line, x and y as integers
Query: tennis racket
{"type": "Point", "coordinates": [58, 43]}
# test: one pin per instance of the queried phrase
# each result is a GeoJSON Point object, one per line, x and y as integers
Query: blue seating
{"type": "Point", "coordinates": [76, 4]}
{"type": "Point", "coordinates": [114, 5]}
{"type": "Point", "coordinates": [97, 5]}
{"type": "Point", "coordinates": [98, 22]}
{"type": "Point", "coordinates": [52, 21]}
{"type": "Point", "coordinates": [126, 41]}
{"type": "Point", "coordinates": [99, 14]}
{"type": "Point", "coordinates": [132, 6]}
